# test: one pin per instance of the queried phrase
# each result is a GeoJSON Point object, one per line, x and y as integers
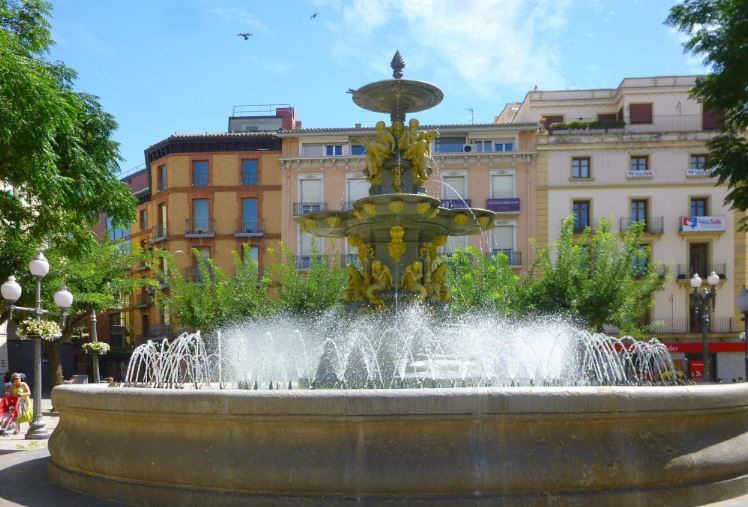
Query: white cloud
{"type": "Point", "coordinates": [483, 43]}
{"type": "Point", "coordinates": [241, 16]}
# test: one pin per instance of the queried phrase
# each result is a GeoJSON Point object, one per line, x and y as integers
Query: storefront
{"type": "Point", "coordinates": [727, 360]}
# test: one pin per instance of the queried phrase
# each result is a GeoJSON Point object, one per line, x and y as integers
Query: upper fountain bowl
{"type": "Point", "coordinates": [398, 96]}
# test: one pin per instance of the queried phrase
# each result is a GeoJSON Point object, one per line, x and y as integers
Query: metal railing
{"type": "Point", "coordinates": [302, 208]}
{"type": "Point", "coordinates": [686, 271]}
{"type": "Point", "coordinates": [683, 325]}
{"type": "Point", "coordinates": [199, 228]}
{"type": "Point", "coordinates": [654, 123]}
{"type": "Point", "coordinates": [199, 180]}
{"type": "Point", "coordinates": [515, 258]}
{"type": "Point", "coordinates": [249, 228]}
{"type": "Point", "coordinates": [249, 178]}
{"type": "Point", "coordinates": [160, 232]}
{"type": "Point", "coordinates": [503, 204]}
{"type": "Point", "coordinates": [456, 203]}
{"type": "Point", "coordinates": [652, 225]}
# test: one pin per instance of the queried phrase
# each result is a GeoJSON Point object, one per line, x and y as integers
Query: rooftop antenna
{"type": "Point", "coordinates": [472, 115]}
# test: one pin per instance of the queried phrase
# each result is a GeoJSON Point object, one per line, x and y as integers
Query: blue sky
{"type": "Point", "coordinates": [165, 66]}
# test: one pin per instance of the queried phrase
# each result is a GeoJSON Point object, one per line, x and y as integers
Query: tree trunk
{"type": "Point", "coordinates": [52, 351]}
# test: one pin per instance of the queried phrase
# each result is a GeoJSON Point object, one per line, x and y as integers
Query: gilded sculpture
{"type": "Point", "coordinates": [439, 281]}
{"type": "Point", "coordinates": [377, 151]}
{"type": "Point", "coordinates": [397, 246]}
{"type": "Point", "coordinates": [354, 293]}
{"type": "Point", "coordinates": [416, 148]}
{"type": "Point", "coordinates": [411, 280]}
{"type": "Point", "coordinates": [382, 281]}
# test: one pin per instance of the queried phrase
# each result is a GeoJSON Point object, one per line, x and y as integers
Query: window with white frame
{"type": "Point", "coordinates": [482, 145]}
{"type": "Point", "coordinates": [357, 187]}
{"type": "Point", "coordinates": [310, 194]}
{"type": "Point", "coordinates": [502, 185]}
{"type": "Point", "coordinates": [502, 239]}
{"type": "Point", "coordinates": [454, 186]}
{"type": "Point", "coordinates": [312, 150]}
{"type": "Point", "coordinates": [308, 246]}
{"type": "Point", "coordinates": [503, 145]}
{"type": "Point", "coordinates": [333, 150]}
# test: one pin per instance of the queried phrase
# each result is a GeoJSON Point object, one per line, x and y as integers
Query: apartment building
{"type": "Point", "coordinates": [637, 153]}
{"type": "Point", "coordinates": [214, 193]}
{"type": "Point", "coordinates": [485, 166]}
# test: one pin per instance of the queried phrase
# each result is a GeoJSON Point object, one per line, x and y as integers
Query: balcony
{"type": "Point", "coordinates": [305, 261]}
{"type": "Point", "coordinates": [456, 203]}
{"type": "Point", "coordinates": [142, 300]}
{"type": "Point", "coordinates": [652, 225]}
{"type": "Point", "coordinates": [717, 223]}
{"type": "Point", "coordinates": [503, 205]}
{"type": "Point", "coordinates": [515, 258]}
{"type": "Point", "coordinates": [684, 325]}
{"type": "Point", "coordinates": [302, 208]}
{"type": "Point", "coordinates": [686, 271]}
{"type": "Point", "coordinates": [249, 229]}
{"type": "Point", "coordinates": [160, 233]}
{"type": "Point", "coordinates": [199, 229]}
{"type": "Point", "coordinates": [655, 123]}
{"type": "Point", "coordinates": [199, 180]}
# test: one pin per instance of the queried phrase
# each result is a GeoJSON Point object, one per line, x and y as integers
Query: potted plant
{"type": "Point", "coordinates": [99, 348]}
{"type": "Point", "coordinates": [47, 330]}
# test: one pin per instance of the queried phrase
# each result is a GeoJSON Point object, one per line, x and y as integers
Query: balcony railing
{"type": "Point", "coordinates": [682, 325]}
{"type": "Point", "coordinates": [302, 208]}
{"type": "Point", "coordinates": [652, 225]}
{"type": "Point", "coordinates": [686, 271]}
{"type": "Point", "coordinates": [658, 123]}
{"type": "Point", "coordinates": [515, 258]}
{"type": "Point", "coordinates": [200, 180]}
{"type": "Point", "coordinates": [503, 204]}
{"type": "Point", "coordinates": [249, 228]}
{"type": "Point", "coordinates": [305, 261]}
{"type": "Point", "coordinates": [160, 233]}
{"type": "Point", "coordinates": [456, 203]}
{"type": "Point", "coordinates": [199, 228]}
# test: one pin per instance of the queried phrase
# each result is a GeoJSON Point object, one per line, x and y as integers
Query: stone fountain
{"type": "Point", "coordinates": [397, 228]}
{"type": "Point", "coordinates": [186, 441]}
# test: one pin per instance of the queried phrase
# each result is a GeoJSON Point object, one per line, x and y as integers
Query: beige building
{"type": "Point", "coordinates": [484, 166]}
{"type": "Point", "coordinates": [637, 153]}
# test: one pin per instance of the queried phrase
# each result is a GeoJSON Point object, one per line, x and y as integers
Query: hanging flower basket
{"type": "Point", "coordinates": [99, 348]}
{"type": "Point", "coordinates": [47, 330]}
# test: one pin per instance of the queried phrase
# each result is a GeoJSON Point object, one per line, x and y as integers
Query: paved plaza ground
{"type": "Point", "coordinates": [23, 475]}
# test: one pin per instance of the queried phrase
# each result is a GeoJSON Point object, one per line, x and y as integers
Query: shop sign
{"type": "Point", "coordinates": [640, 173]}
{"type": "Point", "coordinates": [698, 172]}
{"type": "Point", "coordinates": [696, 369]}
{"type": "Point", "coordinates": [703, 224]}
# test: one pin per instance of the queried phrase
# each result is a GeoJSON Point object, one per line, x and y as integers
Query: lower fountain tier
{"type": "Point", "coordinates": [420, 215]}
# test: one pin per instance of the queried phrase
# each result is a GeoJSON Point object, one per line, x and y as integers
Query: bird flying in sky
{"type": "Point", "coordinates": [314, 15]}
{"type": "Point", "coordinates": [245, 35]}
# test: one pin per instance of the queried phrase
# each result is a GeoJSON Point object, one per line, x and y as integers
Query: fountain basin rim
{"type": "Point", "coordinates": [371, 97]}
{"type": "Point", "coordinates": [602, 400]}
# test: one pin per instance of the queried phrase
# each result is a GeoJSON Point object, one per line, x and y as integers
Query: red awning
{"type": "Point", "coordinates": [693, 347]}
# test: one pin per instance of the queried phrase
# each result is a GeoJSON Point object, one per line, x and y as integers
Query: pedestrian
{"type": "Point", "coordinates": [22, 375]}
{"type": "Point", "coordinates": [21, 389]}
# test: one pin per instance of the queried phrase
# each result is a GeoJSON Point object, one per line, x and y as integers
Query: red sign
{"type": "Point", "coordinates": [696, 369]}
{"type": "Point", "coordinates": [693, 347]}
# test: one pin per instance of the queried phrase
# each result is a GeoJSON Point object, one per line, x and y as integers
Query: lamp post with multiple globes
{"type": "Point", "coordinates": [11, 292]}
{"type": "Point", "coordinates": [704, 297]}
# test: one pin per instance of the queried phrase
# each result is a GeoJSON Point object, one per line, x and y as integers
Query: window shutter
{"type": "Point", "coordinates": [712, 119]}
{"type": "Point", "coordinates": [640, 113]}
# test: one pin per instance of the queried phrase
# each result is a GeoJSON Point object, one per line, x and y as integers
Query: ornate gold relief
{"type": "Point", "coordinates": [462, 219]}
{"type": "Point", "coordinates": [334, 221]}
{"type": "Point", "coordinates": [357, 214]}
{"type": "Point", "coordinates": [433, 214]}
{"type": "Point", "coordinates": [382, 281]}
{"type": "Point", "coordinates": [423, 207]}
{"type": "Point", "coordinates": [397, 246]}
{"type": "Point", "coordinates": [485, 222]}
{"type": "Point", "coordinates": [396, 206]}
{"type": "Point", "coordinates": [370, 208]}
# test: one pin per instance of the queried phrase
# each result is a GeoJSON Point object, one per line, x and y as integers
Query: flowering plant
{"type": "Point", "coordinates": [45, 329]}
{"type": "Point", "coordinates": [99, 348]}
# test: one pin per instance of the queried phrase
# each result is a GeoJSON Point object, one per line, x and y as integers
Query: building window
{"type": "Point", "coordinates": [502, 186]}
{"type": "Point", "coordinates": [699, 206]}
{"type": "Point", "coordinates": [639, 163]}
{"type": "Point", "coordinates": [454, 243]}
{"type": "Point", "coordinates": [454, 190]}
{"type": "Point", "coordinates": [641, 262]}
{"type": "Point", "coordinates": [580, 167]}
{"type": "Point", "coordinates": [482, 145]}
{"type": "Point", "coordinates": [503, 145]}
{"type": "Point", "coordinates": [116, 231]}
{"type": "Point", "coordinates": [162, 178]}
{"type": "Point", "coordinates": [250, 220]}
{"type": "Point", "coordinates": [312, 150]}
{"type": "Point", "coordinates": [200, 173]}
{"type": "Point", "coordinates": [639, 211]}
{"type": "Point", "coordinates": [249, 172]}
{"type": "Point", "coordinates": [581, 211]}
{"type": "Point", "coordinates": [358, 149]}
{"type": "Point", "coordinates": [502, 240]}
{"type": "Point", "coordinates": [333, 150]}
{"type": "Point", "coordinates": [200, 215]}
{"type": "Point", "coordinates": [357, 187]}
{"type": "Point", "coordinates": [449, 144]}
{"type": "Point", "coordinates": [143, 219]}
{"type": "Point", "coordinates": [202, 268]}
{"type": "Point", "coordinates": [698, 166]}
{"type": "Point", "coordinates": [640, 114]}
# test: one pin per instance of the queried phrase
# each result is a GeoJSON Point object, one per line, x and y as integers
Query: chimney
{"type": "Point", "coordinates": [297, 125]}
{"type": "Point", "coordinates": [287, 115]}
{"type": "Point", "coordinates": [358, 125]}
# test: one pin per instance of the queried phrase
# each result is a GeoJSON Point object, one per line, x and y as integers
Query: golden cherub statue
{"type": "Point", "coordinates": [355, 290]}
{"type": "Point", "coordinates": [439, 279]}
{"type": "Point", "coordinates": [377, 151]}
{"type": "Point", "coordinates": [411, 281]}
{"type": "Point", "coordinates": [382, 282]}
{"type": "Point", "coordinates": [416, 148]}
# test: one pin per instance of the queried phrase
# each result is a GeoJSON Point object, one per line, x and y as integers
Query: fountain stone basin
{"type": "Point", "coordinates": [685, 445]}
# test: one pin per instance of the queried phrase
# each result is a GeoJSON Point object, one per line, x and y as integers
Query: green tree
{"type": "Point", "coordinates": [215, 298]}
{"type": "Point", "coordinates": [58, 163]}
{"type": "Point", "coordinates": [479, 282]}
{"type": "Point", "coordinates": [309, 292]}
{"type": "Point", "coordinates": [718, 31]}
{"type": "Point", "coordinates": [595, 278]}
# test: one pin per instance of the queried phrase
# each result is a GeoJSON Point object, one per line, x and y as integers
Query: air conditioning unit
{"type": "Point", "coordinates": [467, 148]}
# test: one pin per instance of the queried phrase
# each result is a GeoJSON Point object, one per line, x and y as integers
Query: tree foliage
{"type": "Point", "coordinates": [718, 31]}
{"type": "Point", "coordinates": [58, 163]}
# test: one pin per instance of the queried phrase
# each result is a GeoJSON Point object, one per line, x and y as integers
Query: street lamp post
{"type": "Point", "coordinates": [741, 301]}
{"type": "Point", "coordinates": [705, 297]}
{"type": "Point", "coordinates": [11, 292]}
